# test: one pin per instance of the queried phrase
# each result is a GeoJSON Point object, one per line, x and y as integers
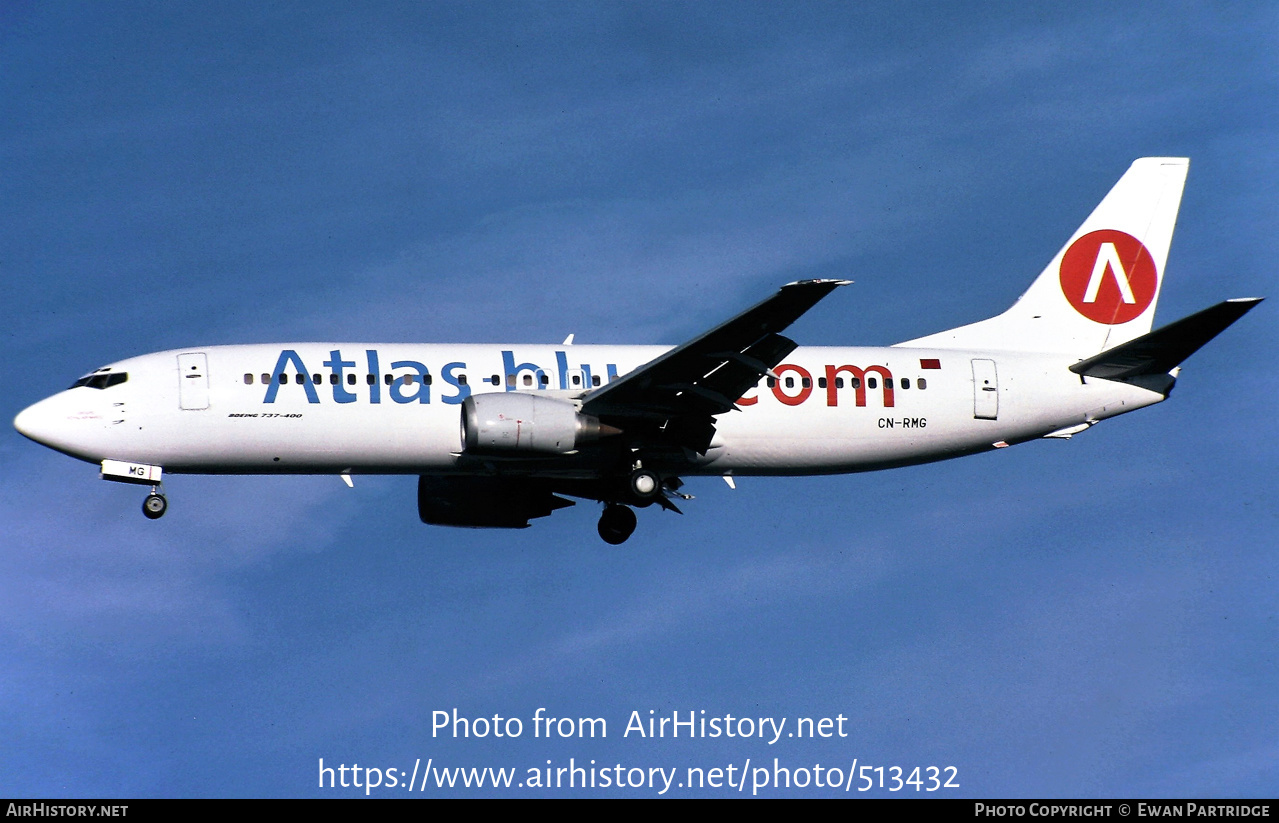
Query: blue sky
{"type": "Point", "coordinates": [1088, 618]}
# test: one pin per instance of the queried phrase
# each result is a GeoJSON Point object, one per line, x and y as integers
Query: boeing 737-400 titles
{"type": "Point", "coordinates": [502, 434]}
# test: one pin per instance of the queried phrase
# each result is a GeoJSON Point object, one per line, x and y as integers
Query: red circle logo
{"type": "Point", "coordinates": [1108, 276]}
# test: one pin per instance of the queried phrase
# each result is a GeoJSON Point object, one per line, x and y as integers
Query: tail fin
{"type": "Point", "coordinates": [1101, 288]}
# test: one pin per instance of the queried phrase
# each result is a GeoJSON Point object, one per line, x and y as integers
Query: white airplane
{"type": "Point", "coordinates": [502, 434]}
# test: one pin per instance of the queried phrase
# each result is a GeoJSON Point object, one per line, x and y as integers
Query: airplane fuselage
{"type": "Point", "coordinates": [395, 408]}
{"type": "Point", "coordinates": [500, 435]}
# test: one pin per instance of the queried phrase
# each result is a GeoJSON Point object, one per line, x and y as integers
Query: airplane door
{"type": "Point", "coordinates": [985, 390]}
{"type": "Point", "coordinates": [193, 381]}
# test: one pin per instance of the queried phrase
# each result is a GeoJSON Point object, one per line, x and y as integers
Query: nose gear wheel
{"type": "Point", "coordinates": [154, 506]}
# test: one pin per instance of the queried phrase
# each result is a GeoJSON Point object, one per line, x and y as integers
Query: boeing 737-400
{"type": "Point", "coordinates": [502, 434]}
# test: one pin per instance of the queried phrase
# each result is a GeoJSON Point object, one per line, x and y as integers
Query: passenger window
{"type": "Point", "coordinates": [871, 384]}
{"type": "Point", "coordinates": [510, 380]}
{"type": "Point", "coordinates": [821, 382]}
{"type": "Point", "coordinates": [406, 379]}
{"type": "Point", "coordinates": [317, 380]}
{"type": "Point", "coordinates": [350, 379]}
{"type": "Point", "coordinates": [528, 379]}
{"type": "Point", "coordinates": [461, 379]}
{"type": "Point", "coordinates": [921, 383]}
{"type": "Point", "coordinates": [333, 379]}
{"type": "Point", "coordinates": [543, 379]}
{"type": "Point", "coordinates": [888, 383]}
{"type": "Point", "coordinates": [371, 379]}
{"type": "Point", "coordinates": [790, 382]}
{"type": "Point", "coordinates": [266, 378]}
{"type": "Point", "coordinates": [595, 379]}
{"type": "Point", "coordinates": [299, 379]}
{"type": "Point", "coordinates": [248, 380]}
{"type": "Point", "coordinates": [806, 382]}
{"type": "Point", "coordinates": [577, 380]}
{"type": "Point", "coordinates": [390, 378]}
{"type": "Point", "coordinates": [495, 380]}
{"type": "Point", "coordinates": [839, 382]}
{"type": "Point", "coordinates": [905, 382]}
{"type": "Point", "coordinates": [856, 382]}
{"type": "Point", "coordinates": [772, 382]}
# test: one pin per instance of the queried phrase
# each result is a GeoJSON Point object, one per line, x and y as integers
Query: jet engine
{"type": "Point", "coordinates": [519, 423]}
{"type": "Point", "coordinates": [484, 502]}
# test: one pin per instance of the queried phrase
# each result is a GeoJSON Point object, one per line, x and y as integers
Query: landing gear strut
{"type": "Point", "coordinates": [155, 505]}
{"type": "Point", "coordinates": [617, 523]}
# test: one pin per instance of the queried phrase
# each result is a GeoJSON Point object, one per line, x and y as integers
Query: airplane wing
{"type": "Point", "coordinates": [673, 399]}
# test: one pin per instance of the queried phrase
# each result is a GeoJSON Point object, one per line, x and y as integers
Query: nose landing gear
{"type": "Point", "coordinates": [155, 505]}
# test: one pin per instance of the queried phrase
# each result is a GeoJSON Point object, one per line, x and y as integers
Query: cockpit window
{"type": "Point", "coordinates": [101, 380]}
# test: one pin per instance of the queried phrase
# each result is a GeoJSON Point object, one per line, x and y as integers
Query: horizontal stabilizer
{"type": "Point", "coordinates": [1162, 350]}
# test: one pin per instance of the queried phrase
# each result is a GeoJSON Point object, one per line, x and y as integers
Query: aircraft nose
{"type": "Point", "coordinates": [30, 422]}
{"type": "Point", "coordinates": [54, 423]}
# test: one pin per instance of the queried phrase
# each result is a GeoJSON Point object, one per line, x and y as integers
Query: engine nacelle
{"type": "Point", "coordinates": [519, 423]}
{"type": "Point", "coordinates": [484, 502]}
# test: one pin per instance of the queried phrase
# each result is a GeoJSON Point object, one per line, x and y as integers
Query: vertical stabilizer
{"type": "Point", "coordinates": [1100, 290]}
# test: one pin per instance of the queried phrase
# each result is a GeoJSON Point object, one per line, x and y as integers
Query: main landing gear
{"type": "Point", "coordinates": [645, 485]}
{"type": "Point", "coordinates": [643, 488]}
{"type": "Point", "coordinates": [617, 523]}
{"type": "Point", "coordinates": [155, 505]}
